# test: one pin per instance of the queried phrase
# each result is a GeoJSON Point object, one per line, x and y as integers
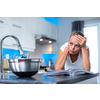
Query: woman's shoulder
{"type": "Point", "coordinates": [87, 46]}
{"type": "Point", "coordinates": [63, 46]}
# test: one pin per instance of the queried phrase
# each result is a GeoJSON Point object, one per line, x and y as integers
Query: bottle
{"type": "Point", "coordinates": [50, 63]}
{"type": "Point", "coordinates": [5, 64]}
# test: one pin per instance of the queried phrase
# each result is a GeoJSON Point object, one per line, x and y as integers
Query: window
{"type": "Point", "coordinates": [91, 32]}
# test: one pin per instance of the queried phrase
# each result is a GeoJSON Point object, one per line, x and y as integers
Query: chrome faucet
{"type": "Point", "coordinates": [1, 53]}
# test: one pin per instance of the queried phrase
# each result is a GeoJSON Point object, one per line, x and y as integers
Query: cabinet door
{"type": "Point", "coordinates": [10, 41]}
{"type": "Point", "coordinates": [2, 30]}
{"type": "Point", "coordinates": [29, 42]}
{"type": "Point", "coordinates": [2, 19]}
{"type": "Point", "coordinates": [41, 27]}
{"type": "Point", "coordinates": [53, 31]}
{"type": "Point", "coordinates": [17, 22]}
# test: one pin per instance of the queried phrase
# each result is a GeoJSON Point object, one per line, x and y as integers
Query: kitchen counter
{"type": "Point", "coordinates": [40, 78]}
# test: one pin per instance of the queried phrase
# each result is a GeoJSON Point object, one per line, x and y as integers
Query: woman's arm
{"type": "Point", "coordinates": [85, 52]}
{"type": "Point", "coordinates": [85, 58]}
{"type": "Point", "coordinates": [61, 59]}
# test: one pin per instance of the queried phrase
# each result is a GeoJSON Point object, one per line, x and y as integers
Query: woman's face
{"type": "Point", "coordinates": [73, 46]}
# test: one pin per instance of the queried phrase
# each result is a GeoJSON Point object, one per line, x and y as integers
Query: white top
{"type": "Point", "coordinates": [68, 63]}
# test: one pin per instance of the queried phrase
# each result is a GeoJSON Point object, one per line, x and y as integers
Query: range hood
{"type": "Point", "coordinates": [43, 39]}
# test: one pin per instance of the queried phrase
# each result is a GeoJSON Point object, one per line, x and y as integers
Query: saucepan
{"type": "Point", "coordinates": [24, 67]}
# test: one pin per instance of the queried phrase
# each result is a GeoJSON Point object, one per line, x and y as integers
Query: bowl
{"type": "Point", "coordinates": [24, 67]}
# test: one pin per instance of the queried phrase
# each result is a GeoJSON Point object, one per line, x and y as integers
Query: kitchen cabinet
{"type": "Point", "coordinates": [3, 20]}
{"type": "Point", "coordinates": [19, 27]}
{"type": "Point", "coordinates": [17, 22]}
{"type": "Point", "coordinates": [30, 36]}
{"type": "Point", "coordinates": [25, 28]}
{"type": "Point", "coordinates": [24, 37]}
{"type": "Point", "coordinates": [9, 42]}
{"type": "Point", "coordinates": [2, 30]}
{"type": "Point", "coordinates": [52, 31]}
{"type": "Point", "coordinates": [41, 26]}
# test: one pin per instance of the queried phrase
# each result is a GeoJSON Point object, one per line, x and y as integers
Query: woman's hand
{"type": "Point", "coordinates": [81, 40]}
{"type": "Point", "coordinates": [66, 50]}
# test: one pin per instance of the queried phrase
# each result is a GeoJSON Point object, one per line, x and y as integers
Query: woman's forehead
{"type": "Point", "coordinates": [73, 39]}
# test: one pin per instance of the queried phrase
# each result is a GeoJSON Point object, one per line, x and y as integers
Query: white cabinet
{"type": "Point", "coordinates": [52, 31]}
{"type": "Point", "coordinates": [9, 42]}
{"type": "Point", "coordinates": [25, 28]}
{"type": "Point", "coordinates": [2, 20]}
{"type": "Point", "coordinates": [45, 28]}
{"type": "Point", "coordinates": [25, 35]}
{"type": "Point", "coordinates": [17, 22]}
{"type": "Point", "coordinates": [30, 36]}
{"type": "Point", "coordinates": [41, 26]}
{"type": "Point", "coordinates": [25, 38]}
{"type": "Point", "coordinates": [2, 30]}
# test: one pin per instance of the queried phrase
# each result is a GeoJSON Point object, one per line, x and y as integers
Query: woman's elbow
{"type": "Point", "coordinates": [87, 68]}
{"type": "Point", "coordinates": [56, 68]}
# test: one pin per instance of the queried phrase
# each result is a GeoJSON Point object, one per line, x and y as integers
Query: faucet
{"type": "Point", "coordinates": [1, 41]}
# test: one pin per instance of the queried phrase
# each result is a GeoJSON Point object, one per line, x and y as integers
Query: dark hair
{"type": "Point", "coordinates": [77, 33]}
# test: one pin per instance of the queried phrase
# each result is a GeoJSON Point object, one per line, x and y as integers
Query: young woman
{"type": "Point", "coordinates": [74, 54]}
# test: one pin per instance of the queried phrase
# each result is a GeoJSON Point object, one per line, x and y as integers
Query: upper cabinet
{"type": "Point", "coordinates": [52, 31]}
{"type": "Point", "coordinates": [25, 28]}
{"type": "Point", "coordinates": [2, 20]}
{"type": "Point", "coordinates": [17, 22]}
{"type": "Point", "coordinates": [17, 26]}
{"type": "Point", "coordinates": [43, 27]}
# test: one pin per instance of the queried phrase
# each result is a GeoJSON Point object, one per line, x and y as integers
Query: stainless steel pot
{"type": "Point", "coordinates": [24, 67]}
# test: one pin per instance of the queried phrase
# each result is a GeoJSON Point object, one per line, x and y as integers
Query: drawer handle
{"type": "Point", "coordinates": [17, 26]}
{"type": "Point", "coordinates": [1, 21]}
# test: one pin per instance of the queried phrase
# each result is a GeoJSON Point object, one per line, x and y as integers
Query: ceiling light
{"type": "Point", "coordinates": [50, 41]}
{"type": "Point", "coordinates": [41, 39]}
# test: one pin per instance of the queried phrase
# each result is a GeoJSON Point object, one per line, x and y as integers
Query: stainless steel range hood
{"type": "Point", "coordinates": [43, 39]}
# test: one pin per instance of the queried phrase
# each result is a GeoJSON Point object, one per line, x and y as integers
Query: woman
{"type": "Point", "coordinates": [75, 54]}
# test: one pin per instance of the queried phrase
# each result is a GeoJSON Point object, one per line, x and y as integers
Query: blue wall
{"type": "Point", "coordinates": [48, 57]}
{"type": "Point", "coordinates": [11, 53]}
{"type": "Point", "coordinates": [51, 19]}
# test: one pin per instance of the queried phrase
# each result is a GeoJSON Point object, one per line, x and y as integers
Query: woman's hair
{"type": "Point", "coordinates": [77, 33]}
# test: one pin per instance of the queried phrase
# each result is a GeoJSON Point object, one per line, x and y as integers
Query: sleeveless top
{"type": "Point", "coordinates": [68, 63]}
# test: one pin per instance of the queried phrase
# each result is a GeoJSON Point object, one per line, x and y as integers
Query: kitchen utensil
{"type": "Point", "coordinates": [24, 67]}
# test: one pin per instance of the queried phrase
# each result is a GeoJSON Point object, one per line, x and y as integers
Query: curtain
{"type": "Point", "coordinates": [77, 26]}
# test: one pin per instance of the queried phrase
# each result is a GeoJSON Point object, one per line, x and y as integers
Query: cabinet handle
{"type": "Point", "coordinates": [14, 44]}
{"type": "Point", "coordinates": [17, 26]}
{"type": "Point", "coordinates": [1, 21]}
